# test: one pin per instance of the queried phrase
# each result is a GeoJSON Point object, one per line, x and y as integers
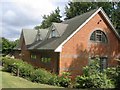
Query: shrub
{"type": "Point", "coordinates": [7, 63]}
{"type": "Point", "coordinates": [17, 67]}
{"type": "Point", "coordinates": [117, 79]}
{"type": "Point", "coordinates": [65, 80]}
{"type": "Point", "coordinates": [83, 82]}
{"type": "Point", "coordinates": [40, 76]}
{"type": "Point", "coordinates": [24, 69]}
{"type": "Point", "coordinates": [54, 80]}
{"type": "Point", "coordinates": [93, 78]}
{"type": "Point", "coordinates": [114, 74]}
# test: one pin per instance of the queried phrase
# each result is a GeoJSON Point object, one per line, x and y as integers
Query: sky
{"type": "Point", "coordinates": [16, 15]}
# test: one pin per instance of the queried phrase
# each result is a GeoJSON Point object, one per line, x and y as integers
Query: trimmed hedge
{"type": "Point", "coordinates": [40, 76]}
{"type": "Point", "coordinates": [91, 78]}
{"type": "Point", "coordinates": [17, 67]}
{"type": "Point", "coordinates": [23, 69]}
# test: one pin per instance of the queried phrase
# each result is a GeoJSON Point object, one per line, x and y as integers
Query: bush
{"type": "Point", "coordinates": [117, 79]}
{"type": "Point", "coordinates": [7, 63]}
{"type": "Point", "coordinates": [94, 81]}
{"type": "Point", "coordinates": [40, 76]}
{"type": "Point", "coordinates": [17, 67]}
{"type": "Point", "coordinates": [65, 80]}
{"type": "Point", "coordinates": [114, 74]}
{"type": "Point", "coordinates": [83, 82]}
{"type": "Point", "coordinates": [54, 80]}
{"type": "Point", "coordinates": [93, 78]}
{"type": "Point", "coordinates": [25, 70]}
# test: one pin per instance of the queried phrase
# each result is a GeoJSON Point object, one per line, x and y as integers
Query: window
{"type": "Point", "coordinates": [53, 33]}
{"type": "Point", "coordinates": [102, 62]}
{"type": "Point", "coordinates": [45, 59]}
{"type": "Point", "coordinates": [98, 36]}
{"type": "Point", "coordinates": [33, 56]}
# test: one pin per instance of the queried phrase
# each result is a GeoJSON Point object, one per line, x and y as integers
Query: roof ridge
{"type": "Point", "coordinates": [80, 15]}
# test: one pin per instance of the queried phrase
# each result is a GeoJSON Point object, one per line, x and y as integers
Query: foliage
{"type": "Point", "coordinates": [25, 70]}
{"type": "Point", "coordinates": [111, 8]}
{"type": "Point", "coordinates": [7, 46]}
{"type": "Point", "coordinates": [7, 63]}
{"type": "Point", "coordinates": [40, 76]}
{"type": "Point", "coordinates": [114, 75]}
{"type": "Point", "coordinates": [77, 8]}
{"type": "Point", "coordinates": [118, 78]}
{"type": "Point", "coordinates": [9, 81]}
{"type": "Point", "coordinates": [17, 67]}
{"type": "Point", "coordinates": [93, 78]}
{"type": "Point", "coordinates": [48, 19]}
{"type": "Point", "coordinates": [65, 80]}
{"type": "Point", "coordinates": [54, 80]}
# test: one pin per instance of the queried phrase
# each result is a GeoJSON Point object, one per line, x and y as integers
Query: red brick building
{"type": "Point", "coordinates": [69, 46]}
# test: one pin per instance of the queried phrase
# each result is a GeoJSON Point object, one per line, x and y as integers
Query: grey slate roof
{"type": "Point", "coordinates": [30, 35]}
{"type": "Point", "coordinates": [60, 27]}
{"type": "Point", "coordinates": [66, 28]}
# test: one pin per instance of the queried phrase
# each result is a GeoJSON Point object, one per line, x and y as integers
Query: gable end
{"type": "Point", "coordinates": [59, 48]}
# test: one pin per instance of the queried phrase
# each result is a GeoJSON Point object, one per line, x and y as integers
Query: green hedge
{"type": "Point", "coordinates": [91, 78]}
{"type": "Point", "coordinates": [40, 76]}
{"type": "Point", "coordinates": [23, 69]}
{"type": "Point", "coordinates": [17, 67]}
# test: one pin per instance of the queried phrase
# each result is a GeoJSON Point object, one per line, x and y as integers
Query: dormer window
{"type": "Point", "coordinates": [53, 33]}
{"type": "Point", "coordinates": [38, 36]}
{"type": "Point", "coordinates": [98, 36]}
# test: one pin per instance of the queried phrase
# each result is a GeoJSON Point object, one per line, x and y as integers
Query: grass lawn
{"type": "Point", "coordinates": [9, 81]}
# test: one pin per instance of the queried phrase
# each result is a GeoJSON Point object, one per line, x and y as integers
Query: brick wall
{"type": "Point", "coordinates": [52, 66]}
{"type": "Point", "coordinates": [25, 55]}
{"type": "Point", "coordinates": [76, 52]}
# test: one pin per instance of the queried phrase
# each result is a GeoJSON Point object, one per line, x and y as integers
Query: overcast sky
{"type": "Point", "coordinates": [18, 14]}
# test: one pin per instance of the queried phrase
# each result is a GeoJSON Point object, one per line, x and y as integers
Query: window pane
{"type": "Point", "coordinates": [92, 36]}
{"type": "Point", "coordinates": [104, 39]}
{"type": "Point", "coordinates": [33, 56]}
{"type": "Point", "coordinates": [53, 33]}
{"type": "Point", "coordinates": [98, 36]}
{"type": "Point", "coordinates": [103, 63]}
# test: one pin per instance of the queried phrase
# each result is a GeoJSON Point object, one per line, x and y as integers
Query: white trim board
{"type": "Point", "coordinates": [59, 48]}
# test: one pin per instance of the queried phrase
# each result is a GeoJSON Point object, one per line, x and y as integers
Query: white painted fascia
{"type": "Point", "coordinates": [110, 23]}
{"type": "Point", "coordinates": [59, 48]}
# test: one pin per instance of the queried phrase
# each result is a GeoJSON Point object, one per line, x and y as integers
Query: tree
{"type": "Point", "coordinates": [116, 16]}
{"type": "Point", "coordinates": [112, 9]}
{"type": "Point", "coordinates": [7, 46]}
{"type": "Point", "coordinates": [48, 19]}
{"type": "Point", "coordinates": [77, 8]}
